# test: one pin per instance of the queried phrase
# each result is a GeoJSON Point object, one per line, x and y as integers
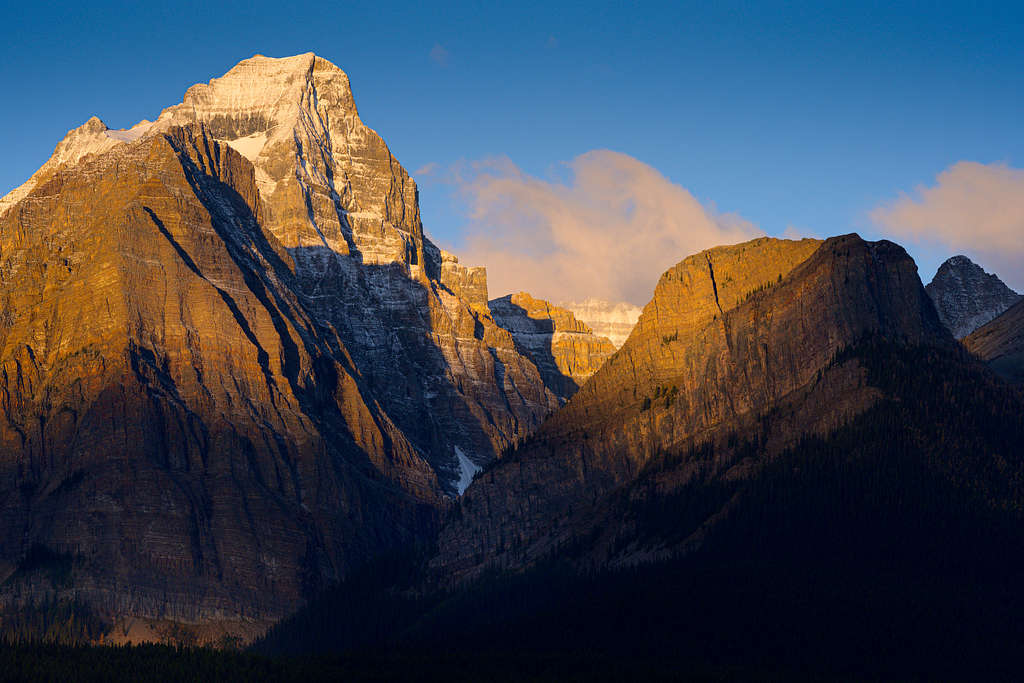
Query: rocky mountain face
{"type": "Point", "coordinates": [732, 335]}
{"type": "Point", "coordinates": [967, 297]}
{"type": "Point", "coordinates": [232, 366]}
{"type": "Point", "coordinates": [1001, 343]}
{"type": "Point", "coordinates": [414, 319]}
{"type": "Point", "coordinates": [612, 320]}
{"type": "Point", "coordinates": [177, 431]}
{"type": "Point", "coordinates": [564, 349]}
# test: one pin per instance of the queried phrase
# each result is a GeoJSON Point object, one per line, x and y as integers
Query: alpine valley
{"type": "Point", "coordinates": [246, 402]}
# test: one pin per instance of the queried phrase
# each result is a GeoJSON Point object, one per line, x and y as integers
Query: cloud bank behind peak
{"type": "Point", "coordinates": [607, 231]}
{"type": "Point", "coordinates": [973, 208]}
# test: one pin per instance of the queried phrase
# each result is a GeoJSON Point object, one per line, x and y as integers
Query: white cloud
{"type": "Point", "coordinates": [609, 232]}
{"type": "Point", "coordinates": [973, 208]}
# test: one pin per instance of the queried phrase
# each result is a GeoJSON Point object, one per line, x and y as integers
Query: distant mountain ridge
{"type": "Point", "coordinates": [237, 380]}
{"type": "Point", "coordinates": [607, 319]}
{"type": "Point", "coordinates": [967, 297]}
{"type": "Point", "coordinates": [564, 349]}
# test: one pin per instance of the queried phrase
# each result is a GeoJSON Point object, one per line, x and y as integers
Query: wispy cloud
{"type": "Point", "coordinates": [439, 55]}
{"type": "Point", "coordinates": [609, 231]}
{"type": "Point", "coordinates": [972, 208]}
{"type": "Point", "coordinates": [427, 169]}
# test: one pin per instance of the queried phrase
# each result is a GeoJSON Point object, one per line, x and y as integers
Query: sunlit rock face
{"type": "Point", "coordinates": [469, 283]}
{"type": "Point", "coordinates": [730, 334]}
{"type": "Point", "coordinates": [967, 297]}
{"type": "Point", "coordinates": [565, 350]}
{"type": "Point", "coordinates": [325, 178]}
{"type": "Point", "coordinates": [607, 319]}
{"type": "Point", "coordinates": [233, 366]}
{"type": "Point", "coordinates": [173, 422]}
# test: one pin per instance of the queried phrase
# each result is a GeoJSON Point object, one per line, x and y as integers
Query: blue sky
{"type": "Point", "coordinates": [802, 116]}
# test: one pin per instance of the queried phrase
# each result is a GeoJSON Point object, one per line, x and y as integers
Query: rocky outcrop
{"type": "Point", "coordinates": [612, 320]}
{"type": "Point", "coordinates": [731, 334]}
{"type": "Point", "coordinates": [233, 366]}
{"type": "Point", "coordinates": [1001, 343]}
{"type": "Point", "coordinates": [466, 282]}
{"type": "Point", "coordinates": [967, 297]}
{"type": "Point", "coordinates": [564, 349]}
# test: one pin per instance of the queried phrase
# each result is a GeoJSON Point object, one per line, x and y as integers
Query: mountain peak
{"type": "Point", "coordinates": [93, 125]}
{"type": "Point", "coordinates": [966, 296]}
{"type": "Point", "coordinates": [276, 308]}
{"type": "Point", "coordinates": [271, 90]}
{"type": "Point", "coordinates": [958, 261]}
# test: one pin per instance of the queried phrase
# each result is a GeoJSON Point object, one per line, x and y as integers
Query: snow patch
{"type": "Point", "coordinates": [250, 146]}
{"type": "Point", "coordinates": [132, 134]}
{"type": "Point", "coordinates": [467, 470]}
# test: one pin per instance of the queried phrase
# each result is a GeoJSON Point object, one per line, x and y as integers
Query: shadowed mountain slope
{"type": "Point", "coordinates": [1001, 343]}
{"type": "Point", "coordinates": [888, 548]}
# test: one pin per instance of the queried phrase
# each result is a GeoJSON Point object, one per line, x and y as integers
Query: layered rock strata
{"type": "Point", "coordinates": [607, 319]}
{"type": "Point", "coordinates": [328, 189]}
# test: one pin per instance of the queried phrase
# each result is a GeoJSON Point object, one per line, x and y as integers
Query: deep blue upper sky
{"type": "Point", "coordinates": [804, 115]}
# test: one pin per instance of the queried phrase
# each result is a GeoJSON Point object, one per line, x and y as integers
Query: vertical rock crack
{"type": "Point", "coordinates": [714, 285]}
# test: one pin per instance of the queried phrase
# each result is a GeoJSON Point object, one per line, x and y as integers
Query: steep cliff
{"type": "Point", "coordinates": [967, 297]}
{"type": "Point", "coordinates": [732, 334]}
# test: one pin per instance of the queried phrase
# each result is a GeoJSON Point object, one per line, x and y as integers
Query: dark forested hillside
{"type": "Point", "coordinates": [893, 547]}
